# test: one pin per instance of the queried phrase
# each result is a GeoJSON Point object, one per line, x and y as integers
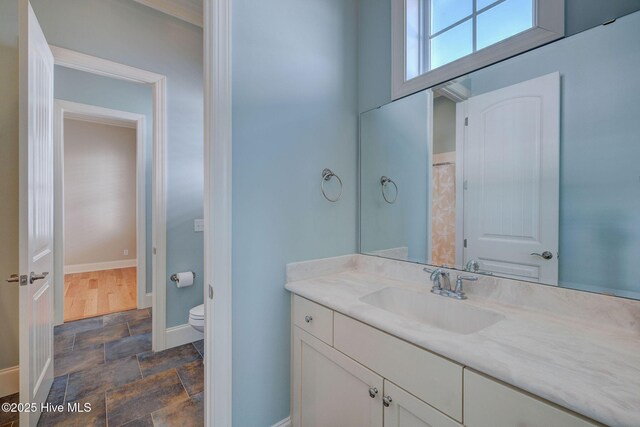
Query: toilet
{"type": "Point", "coordinates": [196, 317]}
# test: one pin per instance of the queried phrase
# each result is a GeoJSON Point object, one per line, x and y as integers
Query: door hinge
{"type": "Point", "coordinates": [466, 121]}
{"type": "Point", "coordinates": [465, 184]}
{"type": "Point", "coordinates": [465, 243]}
{"type": "Point", "coordinates": [154, 251]}
{"type": "Point", "coordinates": [210, 292]}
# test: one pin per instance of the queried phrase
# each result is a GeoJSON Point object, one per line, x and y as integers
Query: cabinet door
{"type": "Point", "coordinates": [405, 410]}
{"type": "Point", "coordinates": [488, 403]}
{"type": "Point", "coordinates": [329, 389]}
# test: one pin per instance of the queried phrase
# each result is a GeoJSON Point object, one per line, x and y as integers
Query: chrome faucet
{"type": "Point", "coordinates": [459, 292]}
{"type": "Point", "coordinates": [472, 265]}
{"type": "Point", "coordinates": [438, 276]}
{"type": "Point", "coordinates": [442, 283]}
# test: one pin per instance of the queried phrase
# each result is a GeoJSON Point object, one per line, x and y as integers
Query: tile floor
{"type": "Point", "coordinates": [107, 361]}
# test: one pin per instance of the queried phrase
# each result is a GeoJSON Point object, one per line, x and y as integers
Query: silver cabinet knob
{"type": "Point", "coordinates": [33, 276]}
{"type": "Point", "coordinates": [545, 254]}
{"type": "Point", "coordinates": [386, 401]}
{"type": "Point", "coordinates": [373, 392]}
{"type": "Point", "coordinates": [308, 319]}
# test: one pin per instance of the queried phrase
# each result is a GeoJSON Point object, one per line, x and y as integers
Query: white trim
{"type": "Point", "coordinates": [217, 212]}
{"type": "Point", "coordinates": [182, 334]}
{"type": "Point", "coordinates": [100, 266]}
{"type": "Point", "coordinates": [9, 381]}
{"type": "Point", "coordinates": [548, 26]}
{"type": "Point", "coordinates": [147, 301]}
{"type": "Point", "coordinates": [102, 67]}
{"type": "Point", "coordinates": [284, 423]}
{"type": "Point", "coordinates": [101, 121]}
{"type": "Point", "coordinates": [429, 219]}
{"type": "Point", "coordinates": [461, 131]}
{"type": "Point", "coordinates": [91, 64]}
{"type": "Point", "coordinates": [185, 10]}
{"type": "Point", "coordinates": [92, 113]}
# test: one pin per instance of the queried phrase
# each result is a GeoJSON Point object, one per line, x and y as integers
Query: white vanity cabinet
{"type": "Point", "coordinates": [330, 389]}
{"type": "Point", "coordinates": [405, 410]}
{"type": "Point", "coordinates": [349, 374]}
{"type": "Point", "coordinates": [489, 403]}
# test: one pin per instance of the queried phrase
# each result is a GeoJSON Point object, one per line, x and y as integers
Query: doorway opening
{"type": "Point", "coordinates": [102, 196]}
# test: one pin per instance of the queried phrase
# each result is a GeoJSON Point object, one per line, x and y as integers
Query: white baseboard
{"type": "Point", "coordinates": [9, 381]}
{"type": "Point", "coordinates": [181, 334]}
{"type": "Point", "coordinates": [99, 266]}
{"type": "Point", "coordinates": [147, 301]}
{"type": "Point", "coordinates": [284, 423]}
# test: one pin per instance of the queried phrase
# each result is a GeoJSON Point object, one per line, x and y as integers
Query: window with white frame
{"type": "Point", "coordinates": [436, 40]}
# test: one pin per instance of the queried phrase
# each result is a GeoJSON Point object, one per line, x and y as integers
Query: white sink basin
{"type": "Point", "coordinates": [444, 313]}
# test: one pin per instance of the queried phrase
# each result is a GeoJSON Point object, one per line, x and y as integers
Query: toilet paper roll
{"type": "Point", "coordinates": [184, 279]}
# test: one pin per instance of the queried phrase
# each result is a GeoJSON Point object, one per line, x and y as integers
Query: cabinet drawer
{"type": "Point", "coordinates": [313, 318]}
{"type": "Point", "coordinates": [406, 410]}
{"type": "Point", "coordinates": [488, 403]}
{"type": "Point", "coordinates": [431, 378]}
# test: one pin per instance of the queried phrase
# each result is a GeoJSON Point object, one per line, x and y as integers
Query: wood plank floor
{"type": "Point", "coordinates": [99, 292]}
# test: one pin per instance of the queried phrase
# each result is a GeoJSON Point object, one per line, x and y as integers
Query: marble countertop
{"type": "Point", "coordinates": [589, 368]}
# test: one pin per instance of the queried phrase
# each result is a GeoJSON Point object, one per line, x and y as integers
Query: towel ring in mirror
{"type": "Point", "coordinates": [384, 181]}
{"type": "Point", "coordinates": [327, 174]}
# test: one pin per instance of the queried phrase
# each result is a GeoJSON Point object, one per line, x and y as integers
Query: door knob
{"type": "Point", "coordinates": [308, 319]}
{"type": "Point", "coordinates": [15, 278]}
{"type": "Point", "coordinates": [545, 254]}
{"type": "Point", "coordinates": [373, 392]}
{"type": "Point", "coordinates": [33, 276]}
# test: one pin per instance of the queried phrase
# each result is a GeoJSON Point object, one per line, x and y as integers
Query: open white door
{"type": "Point", "coordinates": [511, 196]}
{"type": "Point", "coordinates": [36, 214]}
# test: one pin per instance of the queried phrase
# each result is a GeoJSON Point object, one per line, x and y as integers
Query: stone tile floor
{"type": "Point", "coordinates": [107, 361]}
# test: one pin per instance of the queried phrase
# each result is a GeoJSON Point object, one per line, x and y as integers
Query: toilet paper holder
{"type": "Point", "coordinates": [174, 277]}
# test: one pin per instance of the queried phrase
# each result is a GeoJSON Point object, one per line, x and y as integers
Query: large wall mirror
{"type": "Point", "coordinates": [527, 169]}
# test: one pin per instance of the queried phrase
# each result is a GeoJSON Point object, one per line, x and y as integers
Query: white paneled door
{"type": "Point", "coordinates": [36, 214]}
{"type": "Point", "coordinates": [511, 196]}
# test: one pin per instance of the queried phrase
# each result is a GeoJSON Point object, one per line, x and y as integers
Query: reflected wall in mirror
{"type": "Point", "coordinates": [527, 169]}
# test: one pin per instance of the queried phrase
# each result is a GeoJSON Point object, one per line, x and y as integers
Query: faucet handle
{"type": "Point", "coordinates": [459, 291]}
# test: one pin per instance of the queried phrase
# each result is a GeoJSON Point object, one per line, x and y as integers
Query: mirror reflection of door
{"type": "Point", "coordinates": [511, 199]}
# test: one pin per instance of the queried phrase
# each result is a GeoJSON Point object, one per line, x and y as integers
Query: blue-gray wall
{"type": "Point", "coordinates": [395, 143]}
{"type": "Point", "coordinates": [599, 150]}
{"type": "Point", "coordinates": [87, 88]}
{"type": "Point", "coordinates": [374, 54]}
{"type": "Point", "coordinates": [294, 113]}
{"type": "Point", "coordinates": [129, 33]}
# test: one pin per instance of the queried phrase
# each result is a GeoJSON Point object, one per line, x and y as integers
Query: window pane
{"type": "Point", "coordinates": [481, 4]}
{"type": "Point", "coordinates": [447, 12]}
{"type": "Point", "coordinates": [452, 44]}
{"type": "Point", "coordinates": [413, 38]}
{"type": "Point", "coordinates": [503, 21]}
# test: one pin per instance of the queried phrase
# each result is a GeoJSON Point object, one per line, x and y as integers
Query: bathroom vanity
{"type": "Point", "coordinates": [521, 179]}
{"type": "Point", "coordinates": [372, 346]}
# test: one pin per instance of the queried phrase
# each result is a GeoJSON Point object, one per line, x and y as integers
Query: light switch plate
{"type": "Point", "coordinates": [198, 225]}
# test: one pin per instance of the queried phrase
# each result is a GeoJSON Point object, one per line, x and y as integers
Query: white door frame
{"type": "Point", "coordinates": [90, 113]}
{"type": "Point", "coordinates": [158, 82]}
{"type": "Point", "coordinates": [461, 135]}
{"type": "Point", "coordinates": [217, 212]}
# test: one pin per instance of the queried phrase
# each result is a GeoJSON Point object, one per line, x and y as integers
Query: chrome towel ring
{"type": "Point", "coordinates": [383, 182]}
{"type": "Point", "coordinates": [327, 174]}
